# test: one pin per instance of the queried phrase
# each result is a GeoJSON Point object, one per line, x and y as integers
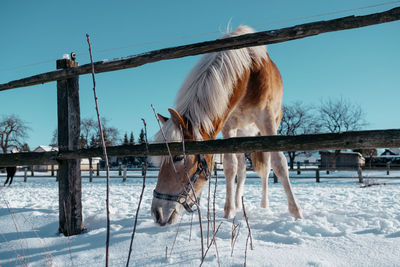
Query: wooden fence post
{"type": "Point", "coordinates": [359, 172]}
{"type": "Point", "coordinates": [120, 169]}
{"type": "Point", "coordinates": [98, 169]}
{"type": "Point", "coordinates": [125, 170]}
{"type": "Point", "coordinates": [317, 176]}
{"type": "Point", "coordinates": [388, 168]}
{"type": "Point", "coordinates": [298, 168]}
{"type": "Point", "coordinates": [32, 171]}
{"type": "Point", "coordinates": [90, 170]}
{"type": "Point", "coordinates": [25, 174]}
{"type": "Point", "coordinates": [52, 169]}
{"type": "Point", "coordinates": [69, 174]}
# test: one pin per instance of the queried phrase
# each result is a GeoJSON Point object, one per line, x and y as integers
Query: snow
{"type": "Point", "coordinates": [343, 225]}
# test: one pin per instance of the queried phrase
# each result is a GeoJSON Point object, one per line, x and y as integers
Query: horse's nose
{"type": "Point", "coordinates": [158, 216]}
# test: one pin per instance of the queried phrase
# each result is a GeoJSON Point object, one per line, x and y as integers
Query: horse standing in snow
{"type": "Point", "coordinates": [238, 92]}
{"type": "Point", "coordinates": [10, 175]}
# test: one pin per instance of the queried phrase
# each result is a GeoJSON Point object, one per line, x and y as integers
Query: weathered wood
{"type": "Point", "coordinates": [260, 38]}
{"type": "Point", "coordinates": [345, 140]}
{"type": "Point", "coordinates": [125, 174]}
{"type": "Point", "coordinates": [298, 168]}
{"type": "Point", "coordinates": [90, 170]}
{"type": "Point", "coordinates": [388, 168]}
{"type": "Point", "coordinates": [69, 171]}
{"type": "Point", "coordinates": [317, 178]}
{"type": "Point", "coordinates": [359, 173]}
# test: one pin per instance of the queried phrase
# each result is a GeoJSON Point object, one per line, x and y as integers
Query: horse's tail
{"type": "Point", "coordinates": [259, 162]}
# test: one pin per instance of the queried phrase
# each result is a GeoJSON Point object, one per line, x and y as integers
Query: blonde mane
{"type": "Point", "coordinates": [205, 93]}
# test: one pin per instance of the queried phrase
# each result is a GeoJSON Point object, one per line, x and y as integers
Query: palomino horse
{"type": "Point", "coordinates": [10, 174]}
{"type": "Point", "coordinates": [228, 91]}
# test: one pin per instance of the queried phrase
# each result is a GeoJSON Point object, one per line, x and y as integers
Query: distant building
{"type": "Point", "coordinates": [331, 159]}
{"type": "Point", "coordinates": [391, 152]}
{"type": "Point", "coordinates": [45, 168]}
{"type": "Point", "coordinates": [45, 149]}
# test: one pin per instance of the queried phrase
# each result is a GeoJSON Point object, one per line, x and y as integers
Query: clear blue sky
{"type": "Point", "coordinates": [362, 64]}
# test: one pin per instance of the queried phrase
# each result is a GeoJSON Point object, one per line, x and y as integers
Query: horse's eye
{"type": "Point", "coordinates": [177, 158]}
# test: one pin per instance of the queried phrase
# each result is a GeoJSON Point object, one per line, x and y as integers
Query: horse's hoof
{"type": "Point", "coordinates": [229, 213]}
{"type": "Point", "coordinates": [296, 213]}
{"type": "Point", "coordinates": [264, 205]}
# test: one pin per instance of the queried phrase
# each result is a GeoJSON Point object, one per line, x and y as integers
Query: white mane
{"type": "Point", "coordinates": [204, 95]}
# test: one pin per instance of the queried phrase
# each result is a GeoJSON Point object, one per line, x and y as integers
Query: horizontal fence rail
{"type": "Point", "coordinates": [345, 140]}
{"type": "Point", "coordinates": [247, 40]}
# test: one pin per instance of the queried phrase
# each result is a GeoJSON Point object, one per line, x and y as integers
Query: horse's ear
{"type": "Point", "coordinates": [177, 118]}
{"type": "Point", "coordinates": [162, 118]}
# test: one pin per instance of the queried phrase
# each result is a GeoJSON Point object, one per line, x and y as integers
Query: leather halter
{"type": "Point", "coordinates": [181, 198]}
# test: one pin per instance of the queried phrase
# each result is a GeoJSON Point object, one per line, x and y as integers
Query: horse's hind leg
{"type": "Point", "coordinates": [280, 167]}
{"type": "Point", "coordinates": [241, 177]}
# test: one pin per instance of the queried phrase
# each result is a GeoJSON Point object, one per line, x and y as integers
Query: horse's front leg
{"type": "Point", "coordinates": [230, 170]}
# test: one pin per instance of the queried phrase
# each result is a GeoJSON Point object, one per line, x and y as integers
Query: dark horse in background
{"type": "Point", "coordinates": [10, 174]}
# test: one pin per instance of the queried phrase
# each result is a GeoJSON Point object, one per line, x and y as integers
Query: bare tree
{"type": "Point", "coordinates": [90, 134]}
{"type": "Point", "coordinates": [13, 131]}
{"type": "Point", "coordinates": [340, 115]}
{"type": "Point", "coordinates": [297, 119]}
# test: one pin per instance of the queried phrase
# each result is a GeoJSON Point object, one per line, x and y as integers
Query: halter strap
{"type": "Point", "coordinates": [181, 198]}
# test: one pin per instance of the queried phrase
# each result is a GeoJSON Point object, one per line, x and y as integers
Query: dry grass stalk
{"type": "Point", "coordinates": [208, 211]}
{"type": "Point", "coordinates": [248, 225]}
{"type": "Point", "coordinates": [235, 234]}
{"type": "Point", "coordinates": [245, 251]}
{"type": "Point", "coordinates": [215, 194]}
{"type": "Point", "coordinates": [191, 223]}
{"type": "Point", "coordinates": [208, 247]}
{"type": "Point", "coordinates": [196, 200]}
{"type": "Point", "coordinates": [101, 133]}
{"type": "Point", "coordinates": [176, 235]}
{"type": "Point", "coordinates": [144, 172]}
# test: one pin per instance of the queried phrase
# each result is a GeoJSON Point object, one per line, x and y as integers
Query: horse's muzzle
{"type": "Point", "coordinates": [165, 211]}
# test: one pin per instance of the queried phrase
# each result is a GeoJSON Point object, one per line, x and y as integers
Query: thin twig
{"type": "Point", "coordinates": [216, 250]}
{"type": "Point", "coordinates": [101, 133]}
{"type": "Point", "coordinates": [163, 134]}
{"type": "Point", "coordinates": [208, 211]}
{"type": "Point", "coordinates": [248, 225]}
{"type": "Point", "coordinates": [191, 223]}
{"type": "Point", "coordinates": [215, 193]}
{"type": "Point", "coordinates": [235, 236]}
{"type": "Point", "coordinates": [144, 172]}
{"type": "Point", "coordinates": [196, 200]}
{"type": "Point", "coordinates": [212, 242]}
{"type": "Point", "coordinates": [176, 235]}
{"type": "Point", "coordinates": [245, 251]}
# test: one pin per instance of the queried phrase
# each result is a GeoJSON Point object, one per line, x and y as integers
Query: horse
{"type": "Point", "coordinates": [238, 92]}
{"type": "Point", "coordinates": [10, 175]}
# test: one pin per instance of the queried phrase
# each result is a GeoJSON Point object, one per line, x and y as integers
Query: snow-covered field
{"type": "Point", "coordinates": [343, 225]}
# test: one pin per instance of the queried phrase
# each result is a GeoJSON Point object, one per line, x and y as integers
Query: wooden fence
{"type": "Point", "coordinates": [67, 77]}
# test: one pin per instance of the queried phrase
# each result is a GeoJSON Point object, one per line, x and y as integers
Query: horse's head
{"type": "Point", "coordinates": [180, 179]}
